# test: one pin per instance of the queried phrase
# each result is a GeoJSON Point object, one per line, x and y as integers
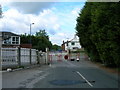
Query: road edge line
{"type": "Point", "coordinates": [84, 78]}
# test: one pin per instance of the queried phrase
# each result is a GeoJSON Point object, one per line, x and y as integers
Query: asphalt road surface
{"type": "Point", "coordinates": [61, 74]}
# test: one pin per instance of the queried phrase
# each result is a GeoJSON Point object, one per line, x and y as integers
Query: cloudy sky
{"type": "Point", "coordinates": [57, 18]}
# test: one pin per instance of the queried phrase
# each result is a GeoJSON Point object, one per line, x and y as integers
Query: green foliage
{"type": "Point", "coordinates": [98, 27]}
{"type": "Point", "coordinates": [43, 40]}
{"type": "Point", "coordinates": [42, 33]}
{"type": "Point", "coordinates": [43, 43]}
{"type": "Point", "coordinates": [56, 47]}
{"type": "Point", "coordinates": [40, 41]}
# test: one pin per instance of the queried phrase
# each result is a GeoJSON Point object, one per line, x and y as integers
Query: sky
{"type": "Point", "coordinates": [57, 18]}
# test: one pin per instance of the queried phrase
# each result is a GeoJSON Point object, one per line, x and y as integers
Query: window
{"type": "Point", "coordinates": [75, 47]}
{"type": "Point", "coordinates": [15, 40]}
{"type": "Point", "coordinates": [72, 43]}
{"type": "Point", "coordinates": [6, 41]}
{"type": "Point", "coordinates": [13, 43]}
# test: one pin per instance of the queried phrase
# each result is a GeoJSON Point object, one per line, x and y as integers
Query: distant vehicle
{"type": "Point", "coordinates": [72, 59]}
{"type": "Point", "coordinates": [78, 59]}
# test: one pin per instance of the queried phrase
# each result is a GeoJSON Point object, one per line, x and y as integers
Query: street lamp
{"type": "Point", "coordinates": [30, 41]}
{"type": "Point", "coordinates": [68, 48]}
{"type": "Point", "coordinates": [30, 32]}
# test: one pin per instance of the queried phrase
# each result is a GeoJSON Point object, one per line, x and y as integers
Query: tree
{"type": "Point", "coordinates": [42, 33]}
{"type": "Point", "coordinates": [83, 31]}
{"type": "Point", "coordinates": [40, 41]}
{"type": "Point", "coordinates": [43, 43]}
{"type": "Point", "coordinates": [25, 39]}
{"type": "Point", "coordinates": [55, 47]}
{"type": "Point", "coordinates": [43, 40]}
{"type": "Point", "coordinates": [98, 27]}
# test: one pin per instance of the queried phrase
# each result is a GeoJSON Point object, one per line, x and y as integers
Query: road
{"type": "Point", "coordinates": [61, 74]}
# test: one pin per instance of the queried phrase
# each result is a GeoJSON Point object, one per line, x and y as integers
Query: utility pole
{"type": "Point", "coordinates": [30, 43]}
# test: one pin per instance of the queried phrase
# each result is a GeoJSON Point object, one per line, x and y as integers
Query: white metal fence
{"type": "Point", "coordinates": [59, 56]}
{"type": "Point", "coordinates": [78, 55]}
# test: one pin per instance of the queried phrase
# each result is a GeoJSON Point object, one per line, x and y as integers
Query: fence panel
{"type": "Point", "coordinates": [43, 58]}
{"type": "Point", "coordinates": [33, 56]}
{"type": "Point", "coordinates": [13, 57]}
{"type": "Point", "coordinates": [25, 56]}
{"type": "Point", "coordinates": [57, 56]}
{"type": "Point", "coordinates": [9, 57]}
{"type": "Point", "coordinates": [81, 56]}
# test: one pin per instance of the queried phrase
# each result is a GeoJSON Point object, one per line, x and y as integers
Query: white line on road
{"type": "Point", "coordinates": [84, 78]}
{"type": "Point", "coordinates": [50, 65]}
{"type": "Point", "coordinates": [31, 84]}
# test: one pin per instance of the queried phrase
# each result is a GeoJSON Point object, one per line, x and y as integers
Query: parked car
{"type": "Point", "coordinates": [77, 59]}
{"type": "Point", "coordinates": [72, 59]}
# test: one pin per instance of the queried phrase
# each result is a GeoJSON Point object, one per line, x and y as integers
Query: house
{"type": "Point", "coordinates": [72, 45]}
{"type": "Point", "coordinates": [10, 39]}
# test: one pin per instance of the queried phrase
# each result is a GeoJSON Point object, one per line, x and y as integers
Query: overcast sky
{"type": "Point", "coordinates": [57, 18]}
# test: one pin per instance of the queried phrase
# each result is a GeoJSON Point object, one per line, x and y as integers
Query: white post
{"type": "Point", "coordinates": [11, 39]}
{"type": "Point", "coordinates": [19, 40]}
{"type": "Point", "coordinates": [0, 59]}
{"type": "Point", "coordinates": [46, 60]}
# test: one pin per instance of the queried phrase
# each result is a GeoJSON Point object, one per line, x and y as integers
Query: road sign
{"type": "Point", "coordinates": [66, 56]}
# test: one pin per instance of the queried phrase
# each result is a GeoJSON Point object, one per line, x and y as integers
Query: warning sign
{"type": "Point", "coordinates": [66, 56]}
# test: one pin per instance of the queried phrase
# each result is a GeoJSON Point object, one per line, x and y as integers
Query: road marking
{"type": "Point", "coordinates": [84, 78]}
{"type": "Point", "coordinates": [71, 64]}
{"type": "Point", "coordinates": [3, 71]}
{"type": "Point", "coordinates": [50, 65]}
{"type": "Point", "coordinates": [31, 84]}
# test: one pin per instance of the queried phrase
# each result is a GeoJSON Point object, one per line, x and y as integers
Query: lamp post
{"type": "Point", "coordinates": [30, 32]}
{"type": "Point", "coordinates": [68, 48]}
{"type": "Point", "coordinates": [30, 41]}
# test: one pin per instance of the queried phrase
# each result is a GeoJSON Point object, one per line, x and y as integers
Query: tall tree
{"type": "Point", "coordinates": [98, 27]}
{"type": "Point", "coordinates": [42, 33]}
{"type": "Point", "coordinates": [83, 31]}
{"type": "Point", "coordinates": [40, 41]}
{"type": "Point", "coordinates": [56, 47]}
{"type": "Point", "coordinates": [43, 41]}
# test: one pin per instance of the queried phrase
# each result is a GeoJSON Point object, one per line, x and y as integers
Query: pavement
{"type": "Point", "coordinates": [61, 74]}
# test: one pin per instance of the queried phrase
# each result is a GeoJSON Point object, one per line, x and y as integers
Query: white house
{"type": "Point", "coordinates": [72, 45]}
{"type": "Point", "coordinates": [10, 39]}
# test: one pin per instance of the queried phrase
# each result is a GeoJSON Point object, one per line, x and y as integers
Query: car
{"type": "Point", "coordinates": [78, 59]}
{"type": "Point", "coordinates": [72, 59]}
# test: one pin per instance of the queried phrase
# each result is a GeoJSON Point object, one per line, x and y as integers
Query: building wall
{"type": "Point", "coordinates": [26, 45]}
{"type": "Point", "coordinates": [8, 41]}
{"type": "Point", "coordinates": [75, 40]}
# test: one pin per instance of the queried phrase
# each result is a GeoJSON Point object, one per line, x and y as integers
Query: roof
{"type": "Point", "coordinates": [75, 39]}
{"type": "Point", "coordinates": [6, 35]}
